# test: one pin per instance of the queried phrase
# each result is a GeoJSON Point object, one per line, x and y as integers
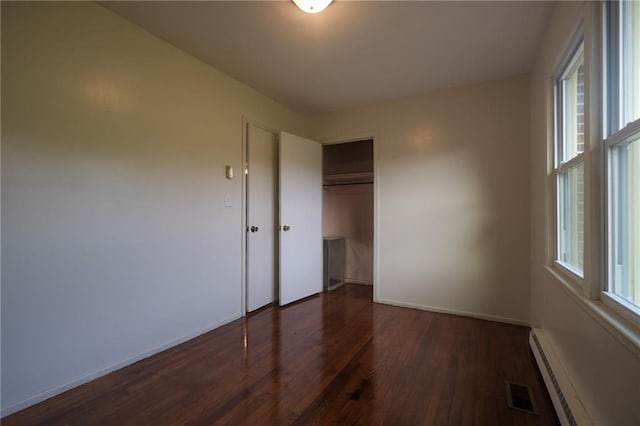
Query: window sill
{"type": "Point", "coordinates": [568, 274]}
{"type": "Point", "coordinates": [626, 332]}
{"type": "Point", "coordinates": [622, 307]}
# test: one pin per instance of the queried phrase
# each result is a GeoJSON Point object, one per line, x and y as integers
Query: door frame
{"type": "Point", "coordinates": [336, 140]}
{"type": "Point", "coordinates": [246, 121]}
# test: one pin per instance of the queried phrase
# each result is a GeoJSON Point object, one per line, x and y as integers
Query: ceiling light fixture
{"type": "Point", "coordinates": [312, 6]}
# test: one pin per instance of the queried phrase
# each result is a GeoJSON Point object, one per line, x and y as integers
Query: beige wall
{"type": "Point", "coordinates": [453, 196]}
{"type": "Point", "coordinates": [116, 239]}
{"type": "Point", "coordinates": [347, 211]}
{"type": "Point", "coordinates": [604, 372]}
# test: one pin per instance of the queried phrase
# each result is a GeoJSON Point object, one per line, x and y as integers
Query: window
{"type": "Point", "coordinates": [569, 163]}
{"type": "Point", "coordinates": [622, 150]}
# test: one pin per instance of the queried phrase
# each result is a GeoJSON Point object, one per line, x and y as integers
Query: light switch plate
{"type": "Point", "coordinates": [229, 172]}
{"type": "Point", "coordinates": [227, 201]}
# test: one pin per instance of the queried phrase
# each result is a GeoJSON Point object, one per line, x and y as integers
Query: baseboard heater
{"type": "Point", "coordinates": [565, 400]}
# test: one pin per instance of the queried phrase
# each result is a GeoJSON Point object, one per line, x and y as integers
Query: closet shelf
{"type": "Point", "coordinates": [348, 178]}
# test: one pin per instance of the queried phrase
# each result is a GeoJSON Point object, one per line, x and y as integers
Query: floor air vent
{"type": "Point", "coordinates": [520, 398]}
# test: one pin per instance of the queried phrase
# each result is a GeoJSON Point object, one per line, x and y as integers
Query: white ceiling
{"type": "Point", "coordinates": [355, 52]}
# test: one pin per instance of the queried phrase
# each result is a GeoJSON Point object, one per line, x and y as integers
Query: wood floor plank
{"type": "Point", "coordinates": [333, 359]}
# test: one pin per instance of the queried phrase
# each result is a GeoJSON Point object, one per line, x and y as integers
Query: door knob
{"type": "Point", "coordinates": [285, 228]}
{"type": "Point", "coordinates": [254, 229]}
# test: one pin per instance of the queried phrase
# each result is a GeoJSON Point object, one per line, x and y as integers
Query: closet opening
{"type": "Point", "coordinates": [348, 214]}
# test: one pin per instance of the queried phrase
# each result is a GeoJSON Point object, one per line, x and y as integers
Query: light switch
{"type": "Point", "coordinates": [229, 172]}
{"type": "Point", "coordinates": [227, 201]}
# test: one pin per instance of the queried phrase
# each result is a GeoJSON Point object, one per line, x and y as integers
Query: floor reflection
{"type": "Point", "coordinates": [293, 354]}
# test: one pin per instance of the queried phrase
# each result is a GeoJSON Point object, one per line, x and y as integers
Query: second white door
{"type": "Point", "coordinates": [262, 202]}
{"type": "Point", "coordinates": [300, 217]}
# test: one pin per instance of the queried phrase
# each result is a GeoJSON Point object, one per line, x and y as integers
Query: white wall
{"type": "Point", "coordinates": [116, 241]}
{"type": "Point", "coordinates": [604, 372]}
{"type": "Point", "coordinates": [453, 196]}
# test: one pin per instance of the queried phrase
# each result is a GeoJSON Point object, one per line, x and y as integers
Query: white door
{"type": "Point", "coordinates": [300, 218]}
{"type": "Point", "coordinates": [262, 192]}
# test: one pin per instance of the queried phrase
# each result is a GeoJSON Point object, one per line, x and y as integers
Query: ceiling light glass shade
{"type": "Point", "coordinates": [312, 6]}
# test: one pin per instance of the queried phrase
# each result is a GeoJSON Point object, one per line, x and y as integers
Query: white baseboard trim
{"type": "Point", "coordinates": [104, 371]}
{"type": "Point", "coordinates": [361, 282]}
{"type": "Point", "coordinates": [439, 310]}
{"type": "Point", "coordinates": [336, 285]}
{"type": "Point", "coordinates": [566, 400]}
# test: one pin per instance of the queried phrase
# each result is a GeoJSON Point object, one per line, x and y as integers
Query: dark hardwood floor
{"type": "Point", "coordinates": [337, 358]}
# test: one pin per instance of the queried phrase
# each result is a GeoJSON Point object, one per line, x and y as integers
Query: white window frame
{"type": "Point", "coordinates": [614, 134]}
{"type": "Point", "coordinates": [574, 51]}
